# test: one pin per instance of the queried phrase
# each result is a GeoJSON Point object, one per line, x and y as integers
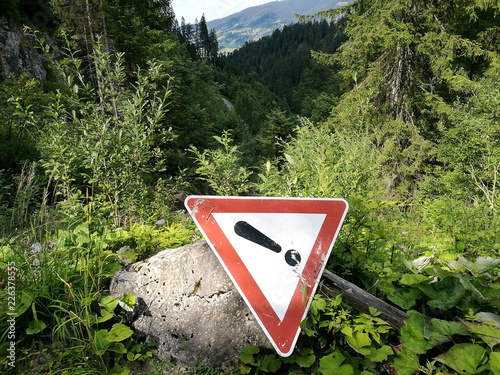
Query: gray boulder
{"type": "Point", "coordinates": [189, 307]}
{"type": "Point", "coordinates": [19, 53]}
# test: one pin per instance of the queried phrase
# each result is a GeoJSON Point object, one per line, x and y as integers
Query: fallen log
{"type": "Point", "coordinates": [361, 300]}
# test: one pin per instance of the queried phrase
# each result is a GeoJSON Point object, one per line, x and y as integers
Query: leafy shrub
{"type": "Point", "coordinates": [22, 104]}
{"type": "Point", "coordinates": [335, 340]}
{"type": "Point", "coordinates": [143, 240]}
{"type": "Point", "coordinates": [453, 325]}
{"type": "Point", "coordinates": [101, 138]}
{"type": "Point", "coordinates": [320, 163]}
{"type": "Point", "coordinates": [222, 169]}
{"type": "Point", "coordinates": [63, 314]}
{"type": "Point", "coordinates": [453, 321]}
{"type": "Point", "coordinates": [450, 224]}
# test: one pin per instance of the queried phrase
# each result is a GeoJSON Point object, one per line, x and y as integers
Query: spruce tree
{"type": "Point", "coordinates": [407, 62]}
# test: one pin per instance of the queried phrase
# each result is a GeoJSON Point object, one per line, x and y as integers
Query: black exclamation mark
{"type": "Point", "coordinates": [248, 232]}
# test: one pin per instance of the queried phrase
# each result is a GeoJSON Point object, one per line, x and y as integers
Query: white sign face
{"type": "Point", "coordinates": [276, 278]}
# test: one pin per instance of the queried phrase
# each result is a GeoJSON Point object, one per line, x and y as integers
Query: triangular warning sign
{"type": "Point", "coordinates": [274, 250]}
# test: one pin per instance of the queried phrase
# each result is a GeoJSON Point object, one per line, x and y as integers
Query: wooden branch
{"type": "Point", "coordinates": [362, 300]}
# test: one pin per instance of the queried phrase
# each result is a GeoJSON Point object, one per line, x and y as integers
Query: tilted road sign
{"type": "Point", "coordinates": [274, 250]}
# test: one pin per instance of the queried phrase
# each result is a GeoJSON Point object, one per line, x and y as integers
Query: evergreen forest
{"type": "Point", "coordinates": [392, 105]}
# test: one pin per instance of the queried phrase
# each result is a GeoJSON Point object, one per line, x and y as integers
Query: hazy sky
{"type": "Point", "coordinates": [213, 9]}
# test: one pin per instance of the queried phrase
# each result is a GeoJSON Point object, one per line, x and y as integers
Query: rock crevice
{"type": "Point", "coordinates": [19, 53]}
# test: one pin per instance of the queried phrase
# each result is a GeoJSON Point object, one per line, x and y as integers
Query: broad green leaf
{"type": "Point", "coordinates": [492, 294]}
{"type": "Point", "coordinates": [412, 333]}
{"type": "Point", "coordinates": [494, 363]}
{"type": "Point", "coordinates": [464, 358]}
{"type": "Point", "coordinates": [359, 342]}
{"type": "Point", "coordinates": [35, 326]}
{"type": "Point", "coordinates": [469, 286]}
{"type": "Point", "coordinates": [406, 363]}
{"type": "Point", "coordinates": [336, 301]}
{"type": "Point", "coordinates": [447, 256]}
{"type": "Point", "coordinates": [480, 266]}
{"type": "Point", "coordinates": [418, 264]}
{"type": "Point", "coordinates": [411, 279]}
{"type": "Point", "coordinates": [101, 342]}
{"type": "Point", "coordinates": [490, 334]}
{"type": "Point", "coordinates": [117, 347]}
{"type": "Point", "coordinates": [247, 354]}
{"type": "Point", "coordinates": [129, 300]}
{"type": "Point", "coordinates": [445, 329]}
{"type": "Point", "coordinates": [118, 370]}
{"type": "Point", "coordinates": [270, 363]}
{"type": "Point", "coordinates": [109, 302]}
{"type": "Point", "coordinates": [332, 365]}
{"type": "Point", "coordinates": [308, 332]}
{"type": "Point", "coordinates": [348, 331]}
{"type": "Point", "coordinates": [23, 303]}
{"type": "Point", "coordinates": [318, 304]}
{"type": "Point", "coordinates": [484, 264]}
{"type": "Point", "coordinates": [305, 358]}
{"type": "Point", "coordinates": [373, 311]}
{"type": "Point", "coordinates": [405, 298]}
{"type": "Point", "coordinates": [106, 315]}
{"type": "Point", "coordinates": [444, 294]}
{"type": "Point", "coordinates": [456, 265]}
{"type": "Point", "coordinates": [489, 318]}
{"type": "Point", "coordinates": [380, 354]}
{"type": "Point", "coordinates": [244, 369]}
{"type": "Point", "coordinates": [119, 332]}
{"type": "Point", "coordinates": [439, 272]}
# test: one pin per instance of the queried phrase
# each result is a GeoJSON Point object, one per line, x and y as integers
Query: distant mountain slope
{"type": "Point", "coordinates": [258, 21]}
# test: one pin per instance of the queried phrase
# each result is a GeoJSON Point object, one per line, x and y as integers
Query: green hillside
{"type": "Point", "coordinates": [256, 22]}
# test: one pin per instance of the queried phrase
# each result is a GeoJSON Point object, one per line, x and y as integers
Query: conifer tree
{"type": "Point", "coordinates": [405, 49]}
{"type": "Point", "coordinates": [124, 25]}
{"type": "Point", "coordinates": [213, 46]}
{"type": "Point", "coordinates": [203, 38]}
{"type": "Point", "coordinates": [407, 62]}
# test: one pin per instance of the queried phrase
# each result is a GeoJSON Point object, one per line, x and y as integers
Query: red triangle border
{"type": "Point", "coordinates": [282, 334]}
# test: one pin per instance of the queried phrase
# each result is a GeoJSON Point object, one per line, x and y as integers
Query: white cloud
{"type": "Point", "coordinates": [213, 9]}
